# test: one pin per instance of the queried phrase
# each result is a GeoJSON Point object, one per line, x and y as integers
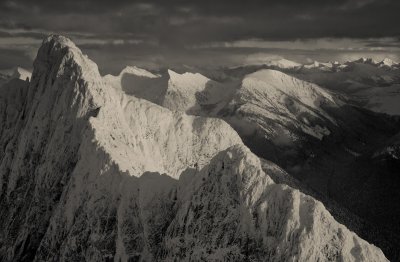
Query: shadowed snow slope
{"type": "Point", "coordinates": [195, 94]}
{"type": "Point", "coordinates": [92, 174]}
{"type": "Point", "coordinates": [277, 102]}
{"type": "Point", "coordinates": [140, 83]}
{"type": "Point", "coordinates": [266, 101]}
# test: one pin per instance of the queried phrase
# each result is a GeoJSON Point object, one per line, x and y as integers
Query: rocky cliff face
{"type": "Point", "coordinates": [89, 173]}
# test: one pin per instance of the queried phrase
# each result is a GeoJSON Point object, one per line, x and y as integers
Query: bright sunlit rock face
{"type": "Point", "coordinates": [91, 173]}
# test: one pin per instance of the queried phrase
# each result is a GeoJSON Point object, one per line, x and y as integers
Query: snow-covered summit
{"type": "Point", "coordinates": [140, 83]}
{"type": "Point", "coordinates": [308, 93]}
{"type": "Point", "coordinates": [191, 81]}
{"type": "Point", "coordinates": [337, 67]}
{"type": "Point", "coordinates": [266, 94]}
{"type": "Point", "coordinates": [56, 48]}
{"type": "Point", "coordinates": [129, 70]}
{"type": "Point", "coordinates": [273, 100]}
{"type": "Point", "coordinates": [133, 70]}
{"type": "Point", "coordinates": [195, 93]}
{"type": "Point", "coordinates": [365, 60]}
{"type": "Point", "coordinates": [272, 62]}
{"type": "Point", "coordinates": [182, 90]}
{"type": "Point", "coordinates": [387, 62]}
{"type": "Point", "coordinates": [283, 64]}
{"type": "Point", "coordinates": [323, 66]}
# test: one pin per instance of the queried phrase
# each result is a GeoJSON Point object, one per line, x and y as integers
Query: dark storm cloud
{"type": "Point", "coordinates": [206, 20]}
{"type": "Point", "coordinates": [158, 30]}
{"type": "Point", "coordinates": [9, 58]}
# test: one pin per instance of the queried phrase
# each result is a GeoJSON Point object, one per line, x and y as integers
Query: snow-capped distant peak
{"type": "Point", "coordinates": [133, 70]}
{"type": "Point", "coordinates": [302, 90]}
{"type": "Point", "coordinates": [283, 63]}
{"type": "Point", "coordinates": [320, 65]}
{"type": "Point", "coordinates": [387, 62]}
{"type": "Point", "coordinates": [315, 64]}
{"type": "Point", "coordinates": [365, 60]}
{"type": "Point", "coordinates": [277, 62]}
{"type": "Point", "coordinates": [182, 90]}
{"type": "Point", "coordinates": [187, 75]}
{"type": "Point", "coordinates": [281, 97]}
{"type": "Point", "coordinates": [129, 70]}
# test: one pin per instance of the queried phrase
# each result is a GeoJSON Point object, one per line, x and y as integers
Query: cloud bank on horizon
{"type": "Point", "coordinates": [158, 33]}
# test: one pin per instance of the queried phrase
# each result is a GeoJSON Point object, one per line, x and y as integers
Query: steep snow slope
{"type": "Point", "coordinates": [71, 115]}
{"type": "Point", "coordinates": [389, 63]}
{"type": "Point", "coordinates": [273, 101]}
{"type": "Point", "coordinates": [76, 182]}
{"type": "Point", "coordinates": [266, 100]}
{"type": "Point", "coordinates": [195, 94]}
{"type": "Point", "coordinates": [140, 83]}
{"type": "Point", "coordinates": [161, 140]}
{"type": "Point", "coordinates": [254, 218]}
{"type": "Point", "coordinates": [339, 165]}
{"type": "Point", "coordinates": [115, 81]}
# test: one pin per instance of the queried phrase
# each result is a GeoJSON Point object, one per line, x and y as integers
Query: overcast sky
{"type": "Point", "coordinates": [163, 33]}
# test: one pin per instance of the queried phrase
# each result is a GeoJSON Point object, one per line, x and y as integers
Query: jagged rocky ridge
{"type": "Point", "coordinates": [89, 173]}
{"type": "Point", "coordinates": [325, 143]}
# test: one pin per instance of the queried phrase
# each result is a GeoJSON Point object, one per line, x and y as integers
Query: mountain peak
{"type": "Point", "coordinates": [59, 40]}
{"type": "Point", "coordinates": [134, 70]}
{"type": "Point", "coordinates": [56, 45]}
{"type": "Point", "coordinates": [283, 63]}
{"type": "Point", "coordinates": [365, 60]}
{"type": "Point", "coordinates": [387, 62]}
{"type": "Point", "coordinates": [186, 76]}
{"type": "Point", "coordinates": [59, 55]}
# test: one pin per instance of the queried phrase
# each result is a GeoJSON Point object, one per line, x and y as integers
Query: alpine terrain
{"type": "Point", "coordinates": [328, 142]}
{"type": "Point", "coordinates": [91, 172]}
